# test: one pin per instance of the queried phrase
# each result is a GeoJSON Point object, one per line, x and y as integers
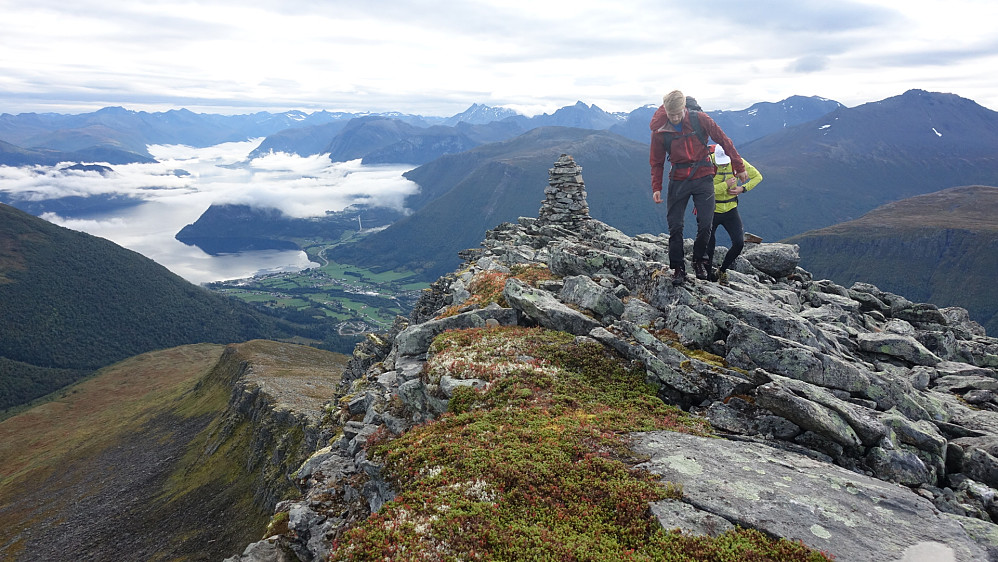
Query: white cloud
{"type": "Point", "coordinates": [299, 186]}
{"type": "Point", "coordinates": [221, 174]}
{"type": "Point", "coordinates": [437, 58]}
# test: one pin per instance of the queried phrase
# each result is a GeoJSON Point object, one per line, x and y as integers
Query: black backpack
{"type": "Point", "coordinates": [695, 110]}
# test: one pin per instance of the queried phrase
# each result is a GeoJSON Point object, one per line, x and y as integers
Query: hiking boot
{"type": "Point", "coordinates": [700, 269]}
{"type": "Point", "coordinates": [722, 277]}
{"type": "Point", "coordinates": [712, 274]}
{"type": "Point", "coordinates": [679, 277]}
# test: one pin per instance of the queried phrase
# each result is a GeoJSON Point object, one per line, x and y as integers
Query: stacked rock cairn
{"type": "Point", "coordinates": [565, 196]}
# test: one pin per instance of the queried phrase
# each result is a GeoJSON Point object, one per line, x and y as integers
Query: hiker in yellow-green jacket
{"type": "Point", "coordinates": [727, 188]}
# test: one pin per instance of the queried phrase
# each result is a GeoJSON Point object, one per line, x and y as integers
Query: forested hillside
{"type": "Point", "coordinates": [72, 303]}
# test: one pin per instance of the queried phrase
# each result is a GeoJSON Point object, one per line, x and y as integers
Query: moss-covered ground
{"type": "Point", "coordinates": [537, 466]}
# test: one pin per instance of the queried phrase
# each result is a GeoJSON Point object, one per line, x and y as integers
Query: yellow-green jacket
{"type": "Point", "coordinates": [723, 201]}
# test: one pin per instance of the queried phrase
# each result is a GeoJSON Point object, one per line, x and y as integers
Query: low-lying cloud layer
{"type": "Point", "coordinates": [298, 186]}
{"type": "Point", "coordinates": [186, 181]}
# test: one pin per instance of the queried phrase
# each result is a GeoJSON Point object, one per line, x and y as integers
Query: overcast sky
{"type": "Point", "coordinates": [437, 57]}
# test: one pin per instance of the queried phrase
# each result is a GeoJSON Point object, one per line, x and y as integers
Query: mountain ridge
{"type": "Point", "coordinates": [178, 453]}
{"type": "Point", "coordinates": [872, 406]}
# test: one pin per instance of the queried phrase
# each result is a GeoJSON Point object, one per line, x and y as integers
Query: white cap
{"type": "Point", "coordinates": [720, 158]}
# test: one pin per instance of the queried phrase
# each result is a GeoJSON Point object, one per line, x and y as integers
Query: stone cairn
{"type": "Point", "coordinates": [565, 196]}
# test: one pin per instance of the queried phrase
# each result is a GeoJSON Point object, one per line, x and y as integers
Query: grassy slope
{"type": "Point", "coordinates": [117, 466]}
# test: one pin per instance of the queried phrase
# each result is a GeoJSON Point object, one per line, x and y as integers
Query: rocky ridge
{"type": "Point", "coordinates": [852, 419]}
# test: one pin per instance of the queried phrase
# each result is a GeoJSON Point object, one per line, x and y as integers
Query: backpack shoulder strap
{"type": "Point", "coordinates": [697, 128]}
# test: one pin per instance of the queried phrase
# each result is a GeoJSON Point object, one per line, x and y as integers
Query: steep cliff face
{"type": "Point", "coordinates": [180, 453]}
{"type": "Point", "coordinates": [276, 394]}
{"type": "Point", "coordinates": [850, 418]}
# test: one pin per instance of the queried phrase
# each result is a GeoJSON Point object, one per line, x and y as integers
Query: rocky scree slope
{"type": "Point", "coordinates": [850, 418]}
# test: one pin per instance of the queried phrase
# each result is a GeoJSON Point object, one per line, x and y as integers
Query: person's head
{"type": "Point", "coordinates": [720, 158]}
{"type": "Point", "coordinates": [675, 106]}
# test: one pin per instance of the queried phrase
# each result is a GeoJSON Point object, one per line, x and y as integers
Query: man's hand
{"type": "Point", "coordinates": [736, 190]}
{"type": "Point", "coordinates": [656, 196]}
{"type": "Point", "coordinates": [743, 177]}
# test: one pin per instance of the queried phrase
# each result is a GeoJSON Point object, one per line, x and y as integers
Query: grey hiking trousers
{"type": "Point", "coordinates": [679, 194]}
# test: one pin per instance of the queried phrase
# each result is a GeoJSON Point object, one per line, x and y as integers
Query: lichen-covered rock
{"type": "Point", "coordinates": [778, 260]}
{"type": "Point", "coordinates": [810, 415]}
{"type": "Point", "coordinates": [585, 293]}
{"type": "Point", "coordinates": [898, 345]}
{"type": "Point", "coordinates": [852, 516]}
{"type": "Point", "coordinates": [544, 309]}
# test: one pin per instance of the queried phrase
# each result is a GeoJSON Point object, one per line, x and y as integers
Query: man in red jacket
{"type": "Point", "coordinates": [675, 138]}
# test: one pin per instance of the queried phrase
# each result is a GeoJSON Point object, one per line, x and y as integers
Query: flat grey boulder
{"type": "Point", "coordinates": [778, 260]}
{"type": "Point", "coordinates": [546, 310]}
{"type": "Point", "coordinates": [585, 293]}
{"type": "Point", "coordinates": [898, 345]}
{"type": "Point", "coordinates": [846, 514]}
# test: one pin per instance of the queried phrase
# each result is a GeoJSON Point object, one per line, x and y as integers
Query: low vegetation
{"type": "Point", "coordinates": [486, 287]}
{"type": "Point", "coordinates": [536, 466]}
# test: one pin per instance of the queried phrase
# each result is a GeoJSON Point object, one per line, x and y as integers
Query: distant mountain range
{"type": "Point", "coordinates": [381, 139]}
{"type": "Point", "coordinates": [841, 166]}
{"type": "Point", "coordinates": [816, 173]}
{"type": "Point", "coordinates": [123, 135]}
{"type": "Point", "coordinates": [937, 248]}
{"type": "Point", "coordinates": [115, 135]}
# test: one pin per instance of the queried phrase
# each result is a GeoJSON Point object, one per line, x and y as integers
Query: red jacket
{"type": "Point", "coordinates": [687, 150]}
